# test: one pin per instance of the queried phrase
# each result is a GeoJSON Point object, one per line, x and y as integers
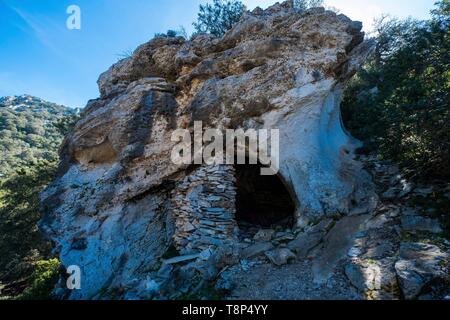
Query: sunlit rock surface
{"type": "Point", "coordinates": [111, 209]}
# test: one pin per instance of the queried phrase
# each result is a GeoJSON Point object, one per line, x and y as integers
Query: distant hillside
{"type": "Point", "coordinates": [31, 129]}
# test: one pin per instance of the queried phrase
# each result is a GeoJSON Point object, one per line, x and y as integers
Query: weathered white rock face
{"type": "Point", "coordinates": [114, 209]}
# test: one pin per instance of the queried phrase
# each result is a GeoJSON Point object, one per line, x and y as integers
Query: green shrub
{"type": "Point", "coordinates": [21, 242]}
{"type": "Point", "coordinates": [219, 17]}
{"type": "Point", "coordinates": [306, 4]}
{"type": "Point", "coordinates": [399, 104]}
{"type": "Point", "coordinates": [31, 132]}
{"type": "Point", "coordinates": [43, 280]}
{"type": "Point", "coordinates": [180, 32]}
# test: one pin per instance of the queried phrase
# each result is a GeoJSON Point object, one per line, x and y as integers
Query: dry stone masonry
{"type": "Point", "coordinates": [204, 209]}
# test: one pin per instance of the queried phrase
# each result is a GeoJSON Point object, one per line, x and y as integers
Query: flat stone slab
{"type": "Point", "coordinates": [257, 249]}
{"type": "Point", "coordinates": [415, 222]}
{"type": "Point", "coordinates": [264, 235]}
{"type": "Point", "coordinates": [337, 243]}
{"type": "Point", "coordinates": [421, 264]}
{"type": "Point", "coordinates": [280, 257]}
{"type": "Point", "coordinates": [181, 259]}
{"type": "Point", "coordinates": [305, 242]}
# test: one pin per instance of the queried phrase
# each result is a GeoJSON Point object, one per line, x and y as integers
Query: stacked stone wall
{"type": "Point", "coordinates": [204, 209]}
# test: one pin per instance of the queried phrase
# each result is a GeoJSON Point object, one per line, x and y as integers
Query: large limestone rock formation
{"type": "Point", "coordinates": [119, 205]}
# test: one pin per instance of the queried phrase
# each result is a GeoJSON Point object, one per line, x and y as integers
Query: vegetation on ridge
{"type": "Point", "coordinates": [399, 103]}
{"type": "Point", "coordinates": [31, 131]}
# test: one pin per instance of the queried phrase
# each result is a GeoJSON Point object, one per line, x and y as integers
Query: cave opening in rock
{"type": "Point", "coordinates": [262, 201]}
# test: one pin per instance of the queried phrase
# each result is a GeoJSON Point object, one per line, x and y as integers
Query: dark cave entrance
{"type": "Point", "coordinates": [262, 201]}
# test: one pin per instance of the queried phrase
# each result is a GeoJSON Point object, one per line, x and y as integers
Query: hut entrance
{"type": "Point", "coordinates": [262, 201]}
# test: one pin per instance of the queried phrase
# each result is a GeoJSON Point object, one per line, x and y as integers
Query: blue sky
{"type": "Point", "coordinates": [41, 57]}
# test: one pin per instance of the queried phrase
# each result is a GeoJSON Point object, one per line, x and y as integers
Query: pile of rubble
{"type": "Point", "coordinates": [402, 251]}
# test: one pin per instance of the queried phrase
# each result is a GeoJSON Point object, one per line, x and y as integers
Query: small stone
{"type": "Point", "coordinates": [264, 235]}
{"type": "Point", "coordinates": [151, 285]}
{"type": "Point", "coordinates": [406, 188]}
{"type": "Point", "coordinates": [394, 180]}
{"type": "Point", "coordinates": [423, 191]}
{"type": "Point", "coordinates": [420, 266]}
{"type": "Point", "coordinates": [394, 213]}
{"type": "Point", "coordinates": [214, 198]}
{"type": "Point", "coordinates": [322, 226]}
{"type": "Point", "coordinates": [381, 251]}
{"type": "Point", "coordinates": [364, 278]}
{"type": "Point", "coordinates": [414, 222]}
{"type": "Point", "coordinates": [358, 210]}
{"type": "Point", "coordinates": [206, 254]}
{"type": "Point", "coordinates": [208, 223]}
{"type": "Point", "coordinates": [181, 259]}
{"type": "Point", "coordinates": [361, 234]}
{"type": "Point", "coordinates": [188, 227]}
{"type": "Point", "coordinates": [354, 252]}
{"type": "Point", "coordinates": [245, 266]}
{"type": "Point", "coordinates": [304, 243]}
{"type": "Point", "coordinates": [224, 282]}
{"type": "Point", "coordinates": [207, 240]}
{"type": "Point", "coordinates": [165, 271]}
{"type": "Point", "coordinates": [186, 208]}
{"type": "Point", "coordinates": [377, 222]}
{"type": "Point", "coordinates": [280, 257]}
{"type": "Point", "coordinates": [214, 210]}
{"type": "Point", "coordinates": [390, 194]}
{"type": "Point", "coordinates": [283, 237]}
{"type": "Point", "coordinates": [257, 249]}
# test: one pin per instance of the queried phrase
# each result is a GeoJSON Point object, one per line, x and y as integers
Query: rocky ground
{"type": "Point", "coordinates": [399, 251]}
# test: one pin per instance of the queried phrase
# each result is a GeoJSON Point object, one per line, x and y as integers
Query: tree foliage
{"type": "Point", "coordinates": [20, 240]}
{"type": "Point", "coordinates": [306, 4]}
{"type": "Point", "coordinates": [180, 32]}
{"type": "Point", "coordinates": [399, 102]}
{"type": "Point", "coordinates": [42, 280]}
{"type": "Point", "coordinates": [31, 131]}
{"type": "Point", "coordinates": [219, 17]}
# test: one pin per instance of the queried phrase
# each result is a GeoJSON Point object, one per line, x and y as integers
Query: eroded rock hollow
{"type": "Point", "coordinates": [119, 206]}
